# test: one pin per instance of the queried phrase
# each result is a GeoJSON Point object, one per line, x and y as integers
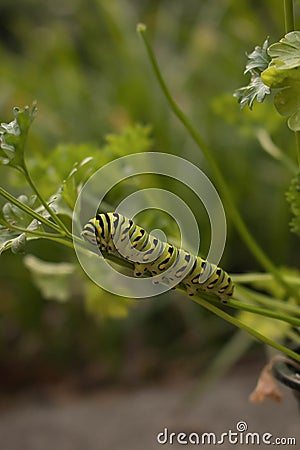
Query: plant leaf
{"type": "Point", "coordinates": [7, 241]}
{"type": "Point", "coordinates": [73, 183]}
{"type": "Point", "coordinates": [258, 61]}
{"type": "Point", "coordinates": [13, 137]}
{"type": "Point", "coordinates": [256, 90]}
{"type": "Point", "coordinates": [284, 73]}
{"type": "Point", "coordinates": [16, 216]}
{"type": "Point", "coordinates": [18, 244]}
{"type": "Point", "coordinates": [285, 54]}
{"type": "Point", "coordinates": [54, 280]}
{"type": "Point", "coordinates": [134, 138]}
{"type": "Point", "coordinates": [12, 216]}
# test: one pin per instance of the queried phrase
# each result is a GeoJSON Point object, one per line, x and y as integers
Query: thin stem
{"type": "Point", "coordinates": [289, 24]}
{"type": "Point", "coordinates": [236, 322]}
{"type": "Point", "coordinates": [277, 153]}
{"type": "Point", "coordinates": [264, 312]}
{"type": "Point", "coordinates": [220, 180]}
{"type": "Point", "coordinates": [46, 206]}
{"type": "Point", "coordinates": [288, 7]}
{"type": "Point", "coordinates": [29, 210]}
{"type": "Point", "coordinates": [237, 304]}
{"type": "Point", "coordinates": [254, 277]}
{"type": "Point", "coordinates": [242, 294]}
{"type": "Point", "coordinates": [61, 238]}
{"type": "Point", "coordinates": [41, 234]}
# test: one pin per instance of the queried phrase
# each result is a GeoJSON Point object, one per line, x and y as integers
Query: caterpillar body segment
{"type": "Point", "coordinates": [115, 234]}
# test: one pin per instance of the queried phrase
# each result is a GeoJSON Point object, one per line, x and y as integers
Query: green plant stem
{"type": "Point", "coordinates": [45, 204]}
{"type": "Point", "coordinates": [293, 336]}
{"type": "Point", "coordinates": [289, 24]}
{"type": "Point", "coordinates": [252, 308]}
{"type": "Point", "coordinates": [29, 210]}
{"type": "Point", "coordinates": [220, 180]}
{"type": "Point", "coordinates": [41, 234]}
{"type": "Point", "coordinates": [254, 277]}
{"type": "Point", "coordinates": [277, 153]}
{"type": "Point", "coordinates": [242, 294]}
{"type": "Point", "coordinates": [87, 250]}
{"type": "Point", "coordinates": [68, 243]}
{"type": "Point", "coordinates": [288, 7]}
{"type": "Point", "coordinates": [264, 312]}
{"type": "Point", "coordinates": [236, 322]}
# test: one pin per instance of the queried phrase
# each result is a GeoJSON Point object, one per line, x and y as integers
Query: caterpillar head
{"type": "Point", "coordinates": [89, 232]}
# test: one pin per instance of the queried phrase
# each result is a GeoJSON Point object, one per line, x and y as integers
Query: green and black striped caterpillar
{"type": "Point", "coordinates": [115, 234]}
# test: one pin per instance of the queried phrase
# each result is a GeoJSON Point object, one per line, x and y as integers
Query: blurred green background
{"type": "Point", "coordinates": [84, 63]}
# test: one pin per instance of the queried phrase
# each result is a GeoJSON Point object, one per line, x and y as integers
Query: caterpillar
{"type": "Point", "coordinates": [115, 234]}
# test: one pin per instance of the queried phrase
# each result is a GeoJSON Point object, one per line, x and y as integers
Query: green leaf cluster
{"type": "Point", "coordinates": [275, 68]}
{"type": "Point", "coordinates": [13, 216]}
{"type": "Point", "coordinates": [31, 217]}
{"type": "Point", "coordinates": [258, 61]}
{"type": "Point", "coordinates": [283, 73]}
{"type": "Point", "coordinates": [13, 137]}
